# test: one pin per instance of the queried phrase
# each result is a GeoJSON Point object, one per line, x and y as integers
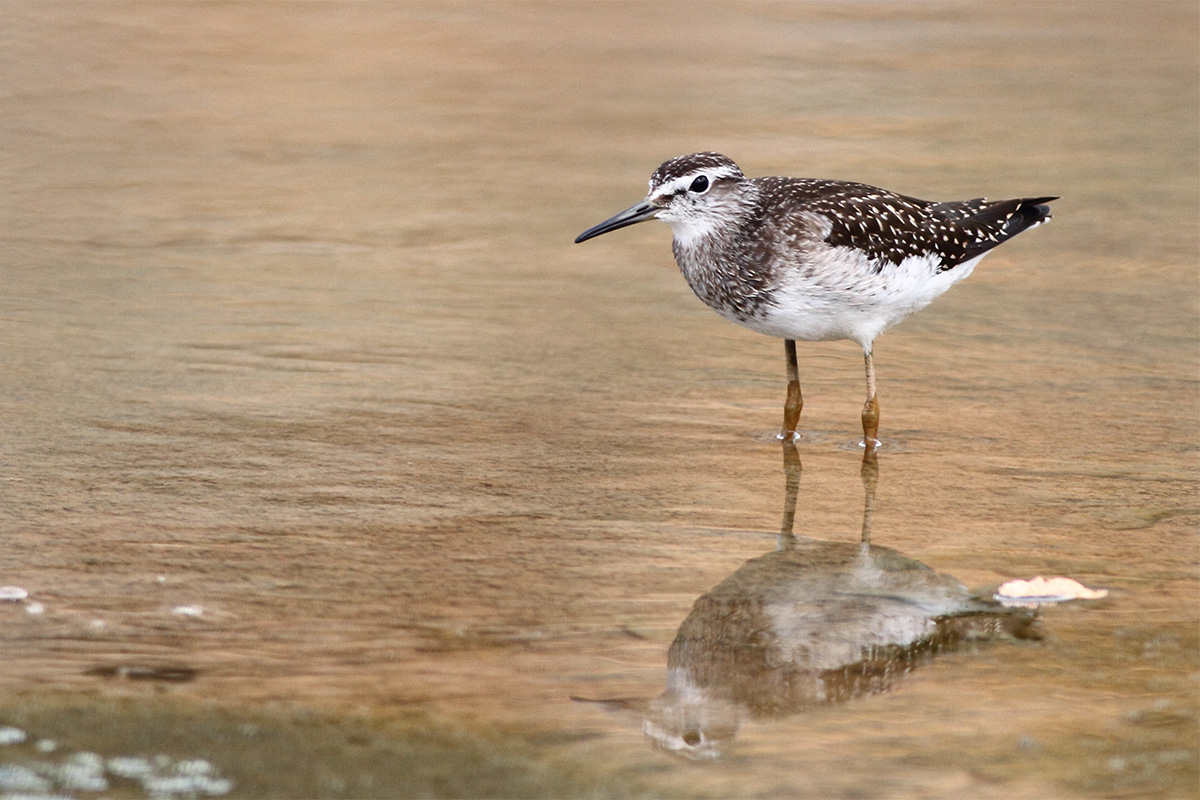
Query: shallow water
{"type": "Point", "coordinates": [325, 447]}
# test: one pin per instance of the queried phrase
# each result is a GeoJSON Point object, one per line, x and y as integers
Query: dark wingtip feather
{"type": "Point", "coordinates": [1001, 220]}
{"type": "Point", "coordinates": [1029, 211]}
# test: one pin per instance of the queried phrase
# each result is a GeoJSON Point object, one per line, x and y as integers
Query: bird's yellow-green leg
{"type": "Point", "coordinates": [870, 413]}
{"type": "Point", "coordinates": [794, 404]}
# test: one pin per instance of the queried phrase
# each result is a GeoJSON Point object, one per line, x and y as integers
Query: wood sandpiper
{"type": "Point", "coordinates": [817, 260]}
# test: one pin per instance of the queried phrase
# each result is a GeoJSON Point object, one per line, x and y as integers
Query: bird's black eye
{"type": "Point", "coordinates": [700, 185]}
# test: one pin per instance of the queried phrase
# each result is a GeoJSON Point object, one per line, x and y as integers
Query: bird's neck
{"type": "Point", "coordinates": [710, 251]}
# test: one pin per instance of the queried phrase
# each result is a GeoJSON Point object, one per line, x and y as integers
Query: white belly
{"type": "Point", "coordinates": [847, 300]}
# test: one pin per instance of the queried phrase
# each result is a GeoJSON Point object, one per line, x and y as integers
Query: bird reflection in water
{"type": "Point", "coordinates": [814, 622]}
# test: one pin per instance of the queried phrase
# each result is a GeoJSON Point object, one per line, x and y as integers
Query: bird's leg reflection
{"type": "Point", "coordinates": [870, 480]}
{"type": "Point", "coordinates": [792, 470]}
{"type": "Point", "coordinates": [791, 473]}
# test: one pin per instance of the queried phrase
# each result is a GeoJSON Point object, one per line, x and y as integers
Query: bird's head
{"type": "Point", "coordinates": [695, 194]}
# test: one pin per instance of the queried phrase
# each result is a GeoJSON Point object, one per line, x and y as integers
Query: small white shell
{"type": "Point", "coordinates": [13, 593]}
{"type": "Point", "coordinates": [1046, 590]}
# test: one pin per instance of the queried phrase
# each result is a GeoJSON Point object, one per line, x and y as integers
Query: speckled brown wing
{"type": "Point", "coordinates": [891, 227]}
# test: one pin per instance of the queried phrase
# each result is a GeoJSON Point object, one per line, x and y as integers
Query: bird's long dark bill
{"type": "Point", "coordinates": [630, 216]}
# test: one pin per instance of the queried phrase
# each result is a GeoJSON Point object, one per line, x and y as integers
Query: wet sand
{"type": "Point", "coordinates": [307, 391]}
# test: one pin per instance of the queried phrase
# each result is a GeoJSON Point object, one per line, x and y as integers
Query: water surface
{"type": "Point", "coordinates": [317, 422]}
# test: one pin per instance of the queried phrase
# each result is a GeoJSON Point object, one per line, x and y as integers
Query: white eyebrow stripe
{"type": "Point", "coordinates": [684, 181]}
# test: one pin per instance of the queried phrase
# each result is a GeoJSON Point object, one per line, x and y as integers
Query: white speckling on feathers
{"type": "Point", "coordinates": [815, 260]}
